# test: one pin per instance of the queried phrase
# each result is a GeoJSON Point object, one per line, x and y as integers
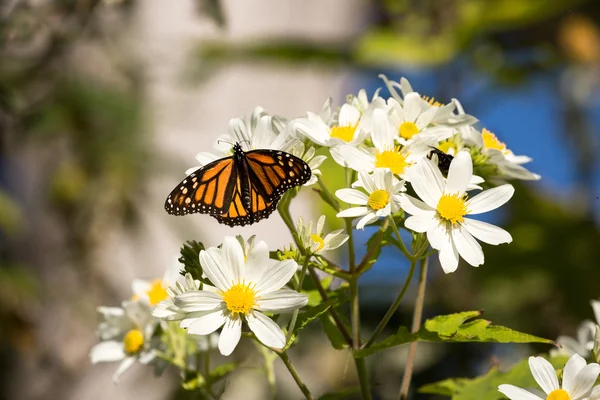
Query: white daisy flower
{"type": "Point", "coordinates": [244, 290]}
{"type": "Point", "coordinates": [321, 133]}
{"type": "Point", "coordinates": [314, 240]}
{"type": "Point", "coordinates": [507, 162]}
{"type": "Point", "coordinates": [155, 291]}
{"type": "Point", "coordinates": [414, 118]}
{"type": "Point", "coordinates": [444, 114]}
{"type": "Point", "coordinates": [260, 131]}
{"type": "Point", "coordinates": [126, 335]}
{"type": "Point", "coordinates": [582, 344]}
{"type": "Point", "coordinates": [386, 154]}
{"type": "Point", "coordinates": [445, 204]}
{"type": "Point", "coordinates": [166, 309]}
{"type": "Point", "coordinates": [383, 197]}
{"type": "Point", "coordinates": [577, 382]}
{"type": "Point", "coordinates": [586, 337]}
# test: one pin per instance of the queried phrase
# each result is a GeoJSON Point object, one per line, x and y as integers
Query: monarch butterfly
{"type": "Point", "coordinates": [240, 189]}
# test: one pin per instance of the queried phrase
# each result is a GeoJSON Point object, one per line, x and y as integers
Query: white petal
{"type": "Point", "coordinates": [415, 206]}
{"type": "Point", "coordinates": [352, 196]}
{"type": "Point", "coordinates": [575, 364]}
{"type": "Point", "coordinates": [276, 277]}
{"type": "Point", "coordinates": [212, 266]}
{"type": "Point", "coordinates": [124, 366]}
{"type": "Point", "coordinates": [349, 115]}
{"type": "Point", "coordinates": [230, 335]}
{"type": "Point", "coordinates": [544, 374]}
{"type": "Point", "coordinates": [233, 257]}
{"type": "Point", "coordinates": [516, 393]}
{"type": "Point", "coordinates": [412, 106]}
{"type": "Point", "coordinates": [267, 331]}
{"type": "Point", "coordinates": [357, 159]}
{"type": "Point", "coordinates": [315, 129]}
{"type": "Point", "coordinates": [490, 199]}
{"type": "Point", "coordinates": [204, 158]}
{"type": "Point", "coordinates": [198, 300]}
{"type": "Point", "coordinates": [368, 181]}
{"type": "Point", "coordinates": [596, 307]}
{"type": "Point", "coordinates": [420, 223]}
{"type": "Point", "coordinates": [448, 256]}
{"type": "Point", "coordinates": [467, 246]}
{"type": "Point", "coordinates": [108, 351]}
{"type": "Point", "coordinates": [584, 380]}
{"type": "Point", "coordinates": [206, 324]}
{"type": "Point", "coordinates": [366, 220]}
{"type": "Point", "coordinates": [281, 301]}
{"type": "Point", "coordinates": [257, 261]}
{"type": "Point", "coordinates": [335, 239]}
{"type": "Point", "coordinates": [427, 181]}
{"type": "Point", "coordinates": [487, 233]}
{"type": "Point", "coordinates": [140, 287]}
{"type": "Point", "coordinates": [459, 174]}
{"type": "Point", "coordinates": [438, 235]}
{"type": "Point", "coordinates": [382, 135]}
{"type": "Point", "coordinates": [353, 212]}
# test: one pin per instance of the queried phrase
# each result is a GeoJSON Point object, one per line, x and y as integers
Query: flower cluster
{"type": "Point", "coordinates": [405, 161]}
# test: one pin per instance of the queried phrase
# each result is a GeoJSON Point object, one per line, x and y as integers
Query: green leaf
{"type": "Point", "coordinates": [310, 315]}
{"type": "Point", "coordinates": [401, 337]}
{"type": "Point", "coordinates": [458, 328]}
{"type": "Point", "coordinates": [486, 386]}
{"type": "Point", "coordinates": [341, 394]}
{"type": "Point", "coordinates": [333, 334]}
{"type": "Point", "coordinates": [221, 371]}
{"type": "Point", "coordinates": [374, 245]}
{"type": "Point", "coordinates": [454, 328]}
{"type": "Point", "coordinates": [447, 387]}
{"type": "Point", "coordinates": [190, 258]}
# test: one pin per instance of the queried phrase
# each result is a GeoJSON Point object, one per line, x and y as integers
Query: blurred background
{"type": "Point", "coordinates": [104, 104]}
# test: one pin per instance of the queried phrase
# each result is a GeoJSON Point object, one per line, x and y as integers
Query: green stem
{"type": "Point", "coordinates": [374, 247]}
{"type": "Point", "coordinates": [354, 301]}
{"type": "Point", "coordinates": [402, 247]}
{"type": "Point", "coordinates": [390, 312]}
{"type": "Point", "coordinates": [416, 325]}
{"type": "Point", "coordinates": [332, 311]}
{"type": "Point", "coordinates": [299, 290]}
{"type": "Point", "coordinates": [363, 378]}
{"type": "Point", "coordinates": [288, 363]}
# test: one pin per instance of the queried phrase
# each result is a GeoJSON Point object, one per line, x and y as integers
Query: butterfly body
{"type": "Point", "coordinates": [240, 189]}
{"type": "Point", "coordinates": [444, 159]}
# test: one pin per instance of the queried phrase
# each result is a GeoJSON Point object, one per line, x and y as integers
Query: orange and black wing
{"type": "Point", "coordinates": [272, 172]}
{"type": "Point", "coordinates": [208, 190]}
{"type": "Point", "coordinates": [237, 215]}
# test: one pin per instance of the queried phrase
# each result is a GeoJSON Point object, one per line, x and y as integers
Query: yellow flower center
{"type": "Point", "coordinates": [490, 141]}
{"type": "Point", "coordinates": [240, 298]}
{"type": "Point", "coordinates": [392, 159]}
{"type": "Point", "coordinates": [157, 293]}
{"type": "Point", "coordinates": [446, 145]}
{"type": "Point", "coordinates": [378, 199]}
{"type": "Point", "coordinates": [452, 208]}
{"type": "Point", "coordinates": [318, 239]}
{"type": "Point", "coordinates": [408, 129]}
{"type": "Point", "coordinates": [346, 133]}
{"type": "Point", "coordinates": [431, 101]}
{"type": "Point", "coordinates": [133, 341]}
{"type": "Point", "coordinates": [558, 394]}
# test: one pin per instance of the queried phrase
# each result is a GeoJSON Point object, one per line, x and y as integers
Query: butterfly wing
{"type": "Point", "coordinates": [272, 172]}
{"type": "Point", "coordinates": [208, 190]}
{"type": "Point", "coordinates": [237, 215]}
